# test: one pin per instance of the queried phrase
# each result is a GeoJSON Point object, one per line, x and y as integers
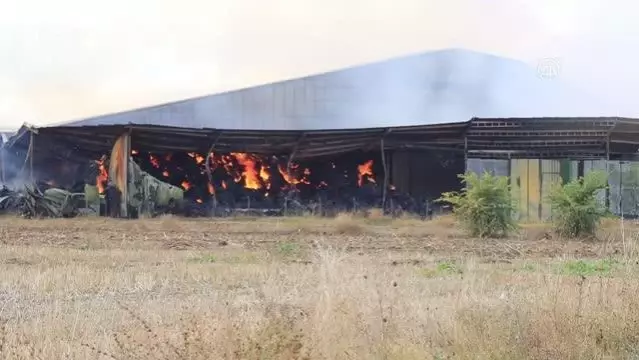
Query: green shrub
{"type": "Point", "coordinates": [576, 211]}
{"type": "Point", "coordinates": [484, 206]}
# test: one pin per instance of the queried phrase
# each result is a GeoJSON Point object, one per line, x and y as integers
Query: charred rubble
{"type": "Point", "coordinates": [217, 184]}
{"type": "Point", "coordinates": [229, 183]}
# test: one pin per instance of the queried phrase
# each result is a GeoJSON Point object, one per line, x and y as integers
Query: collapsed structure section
{"type": "Point", "coordinates": [223, 183]}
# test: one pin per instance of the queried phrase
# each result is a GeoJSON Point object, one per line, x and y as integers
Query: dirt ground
{"type": "Point", "coordinates": [439, 237]}
{"type": "Point", "coordinates": [309, 288]}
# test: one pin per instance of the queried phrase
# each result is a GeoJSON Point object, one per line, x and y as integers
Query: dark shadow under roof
{"type": "Point", "coordinates": [575, 138]}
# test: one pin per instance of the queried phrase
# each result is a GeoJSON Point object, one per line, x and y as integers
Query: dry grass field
{"type": "Point", "coordinates": [307, 288]}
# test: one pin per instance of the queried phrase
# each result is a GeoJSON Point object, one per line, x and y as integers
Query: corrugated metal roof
{"type": "Point", "coordinates": [430, 88]}
{"type": "Point", "coordinates": [575, 138]}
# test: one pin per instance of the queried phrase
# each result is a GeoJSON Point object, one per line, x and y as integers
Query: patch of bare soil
{"type": "Point", "coordinates": [359, 235]}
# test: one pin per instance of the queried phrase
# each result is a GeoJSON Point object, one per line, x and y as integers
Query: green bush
{"type": "Point", "coordinates": [484, 206]}
{"type": "Point", "coordinates": [575, 208]}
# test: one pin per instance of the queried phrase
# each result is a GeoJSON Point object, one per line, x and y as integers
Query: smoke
{"type": "Point", "coordinates": [70, 64]}
{"type": "Point", "coordinates": [13, 172]}
{"type": "Point", "coordinates": [435, 87]}
{"type": "Point", "coordinates": [439, 87]}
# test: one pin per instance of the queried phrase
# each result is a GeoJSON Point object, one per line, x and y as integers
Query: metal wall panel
{"type": "Point", "coordinates": [515, 186]}
{"type": "Point", "coordinates": [596, 165]}
{"type": "Point", "coordinates": [550, 175]}
{"type": "Point", "coordinates": [623, 182]}
{"type": "Point", "coordinates": [526, 188]}
{"type": "Point", "coordinates": [534, 190]}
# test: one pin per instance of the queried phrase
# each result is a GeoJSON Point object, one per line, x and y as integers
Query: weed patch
{"type": "Point", "coordinates": [288, 249]}
{"type": "Point", "coordinates": [529, 268]}
{"type": "Point", "coordinates": [602, 267]}
{"type": "Point", "coordinates": [444, 268]}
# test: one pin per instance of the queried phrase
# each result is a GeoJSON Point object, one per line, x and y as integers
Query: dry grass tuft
{"type": "Point", "coordinates": [376, 214]}
{"type": "Point", "coordinates": [347, 224]}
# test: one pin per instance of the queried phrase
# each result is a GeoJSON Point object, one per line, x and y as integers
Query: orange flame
{"type": "Point", "coordinates": [186, 185]}
{"type": "Point", "coordinates": [224, 186]}
{"type": "Point", "coordinates": [265, 175]}
{"type": "Point", "coordinates": [292, 179]}
{"type": "Point", "coordinates": [366, 169]}
{"type": "Point", "coordinates": [134, 152]}
{"type": "Point", "coordinates": [102, 177]}
{"type": "Point", "coordinates": [165, 173]}
{"type": "Point", "coordinates": [199, 159]}
{"type": "Point", "coordinates": [199, 201]}
{"type": "Point", "coordinates": [211, 189]}
{"type": "Point", "coordinates": [250, 174]}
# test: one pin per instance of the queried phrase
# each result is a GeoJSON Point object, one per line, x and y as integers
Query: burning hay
{"type": "Point", "coordinates": [247, 182]}
{"type": "Point", "coordinates": [131, 183]}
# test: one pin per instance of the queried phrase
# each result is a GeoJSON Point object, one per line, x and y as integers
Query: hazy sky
{"type": "Point", "coordinates": [68, 59]}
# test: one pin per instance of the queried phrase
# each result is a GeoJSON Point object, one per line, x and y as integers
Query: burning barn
{"type": "Point", "coordinates": [393, 134]}
{"type": "Point", "coordinates": [208, 171]}
{"type": "Point", "coordinates": [126, 170]}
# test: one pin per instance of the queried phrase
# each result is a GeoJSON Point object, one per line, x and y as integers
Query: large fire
{"type": "Point", "coordinates": [251, 171]}
{"type": "Point", "coordinates": [251, 176]}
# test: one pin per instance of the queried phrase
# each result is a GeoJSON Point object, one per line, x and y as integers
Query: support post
{"type": "Point", "coordinates": [2, 163]}
{"type": "Point", "coordinates": [620, 202]}
{"type": "Point", "coordinates": [124, 204]}
{"type": "Point", "coordinates": [608, 172]}
{"type": "Point", "coordinates": [465, 153]}
{"type": "Point", "coordinates": [288, 170]}
{"type": "Point", "coordinates": [31, 152]}
{"type": "Point", "coordinates": [208, 171]}
{"type": "Point", "coordinates": [385, 166]}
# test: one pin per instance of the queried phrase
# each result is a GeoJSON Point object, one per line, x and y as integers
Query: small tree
{"type": "Point", "coordinates": [484, 206]}
{"type": "Point", "coordinates": [576, 211]}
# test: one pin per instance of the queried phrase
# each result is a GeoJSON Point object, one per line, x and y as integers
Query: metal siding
{"type": "Point", "coordinates": [630, 192]}
{"type": "Point", "coordinates": [551, 173]}
{"type": "Point", "coordinates": [526, 176]}
{"type": "Point", "coordinates": [515, 187]}
{"type": "Point", "coordinates": [522, 167]}
{"type": "Point", "coordinates": [566, 171]}
{"type": "Point", "coordinates": [534, 190]}
{"type": "Point", "coordinates": [615, 183]}
{"type": "Point", "coordinates": [596, 165]}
